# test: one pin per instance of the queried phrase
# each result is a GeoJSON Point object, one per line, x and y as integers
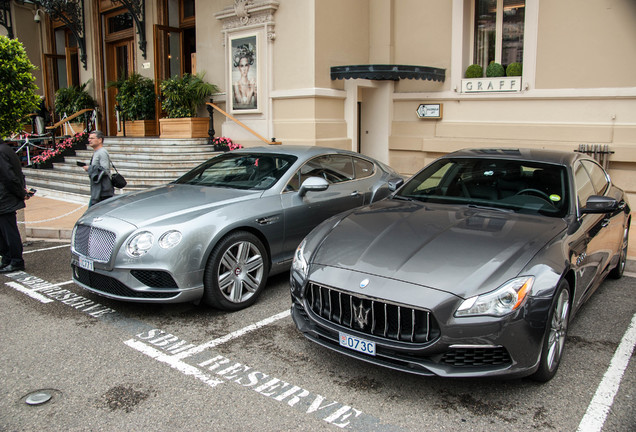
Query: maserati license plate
{"type": "Point", "coordinates": [357, 344]}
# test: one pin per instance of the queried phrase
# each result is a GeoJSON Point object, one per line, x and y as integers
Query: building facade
{"type": "Point", "coordinates": [382, 77]}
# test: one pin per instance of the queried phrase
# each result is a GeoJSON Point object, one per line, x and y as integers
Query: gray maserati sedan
{"type": "Point", "coordinates": [217, 232]}
{"type": "Point", "coordinates": [473, 268]}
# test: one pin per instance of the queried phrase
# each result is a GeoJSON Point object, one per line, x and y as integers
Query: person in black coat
{"type": "Point", "coordinates": [12, 195]}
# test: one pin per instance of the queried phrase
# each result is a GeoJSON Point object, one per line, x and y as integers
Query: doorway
{"type": "Point", "coordinates": [120, 63]}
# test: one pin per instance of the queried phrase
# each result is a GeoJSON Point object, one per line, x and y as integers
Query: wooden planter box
{"type": "Point", "coordinates": [140, 128]}
{"type": "Point", "coordinates": [188, 127]}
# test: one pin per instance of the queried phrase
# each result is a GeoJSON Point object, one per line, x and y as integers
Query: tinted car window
{"type": "Point", "coordinates": [363, 168]}
{"type": "Point", "coordinates": [521, 186]}
{"type": "Point", "coordinates": [598, 176]}
{"type": "Point", "coordinates": [239, 171]}
{"type": "Point", "coordinates": [333, 168]}
{"type": "Point", "coordinates": [584, 186]}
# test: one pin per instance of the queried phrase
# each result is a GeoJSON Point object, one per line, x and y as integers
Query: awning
{"type": "Point", "coordinates": [388, 72]}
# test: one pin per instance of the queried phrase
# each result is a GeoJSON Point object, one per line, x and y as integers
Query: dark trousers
{"type": "Point", "coordinates": [10, 241]}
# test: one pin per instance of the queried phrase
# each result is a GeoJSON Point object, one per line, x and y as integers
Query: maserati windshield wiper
{"type": "Point", "coordinates": [482, 207]}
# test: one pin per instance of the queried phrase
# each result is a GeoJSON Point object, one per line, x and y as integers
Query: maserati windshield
{"type": "Point", "coordinates": [528, 187]}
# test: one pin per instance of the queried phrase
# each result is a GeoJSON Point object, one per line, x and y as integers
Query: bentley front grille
{"type": "Point", "coordinates": [94, 243]}
{"type": "Point", "coordinates": [371, 316]}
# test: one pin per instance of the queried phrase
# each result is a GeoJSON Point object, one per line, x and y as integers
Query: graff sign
{"type": "Point", "coordinates": [485, 85]}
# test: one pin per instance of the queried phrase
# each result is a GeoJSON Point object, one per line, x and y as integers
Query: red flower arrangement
{"type": "Point", "coordinates": [224, 144]}
{"type": "Point", "coordinates": [59, 148]}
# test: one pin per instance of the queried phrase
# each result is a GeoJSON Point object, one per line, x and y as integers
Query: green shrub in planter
{"type": "Point", "coordinates": [135, 96]}
{"type": "Point", "coordinates": [182, 95]}
{"type": "Point", "coordinates": [495, 69]}
{"type": "Point", "coordinates": [514, 69]}
{"type": "Point", "coordinates": [73, 99]}
{"type": "Point", "coordinates": [18, 97]}
{"type": "Point", "coordinates": [474, 71]}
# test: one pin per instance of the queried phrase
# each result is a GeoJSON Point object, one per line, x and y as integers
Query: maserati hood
{"type": "Point", "coordinates": [170, 201]}
{"type": "Point", "coordinates": [457, 249]}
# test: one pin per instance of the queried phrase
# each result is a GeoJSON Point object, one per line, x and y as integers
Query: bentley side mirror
{"type": "Point", "coordinates": [313, 184]}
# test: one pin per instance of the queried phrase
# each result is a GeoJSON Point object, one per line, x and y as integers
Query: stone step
{"type": "Point", "coordinates": [85, 155]}
{"type": "Point", "coordinates": [130, 169]}
{"type": "Point", "coordinates": [144, 162]}
{"type": "Point", "coordinates": [147, 141]}
{"type": "Point", "coordinates": [144, 180]}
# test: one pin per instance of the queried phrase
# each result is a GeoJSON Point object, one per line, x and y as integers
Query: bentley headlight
{"type": "Point", "coordinates": [170, 239]}
{"type": "Point", "coordinates": [299, 264]}
{"type": "Point", "coordinates": [139, 244]}
{"type": "Point", "coordinates": [507, 298]}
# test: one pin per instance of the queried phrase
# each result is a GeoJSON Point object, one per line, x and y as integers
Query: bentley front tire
{"type": "Point", "coordinates": [236, 272]}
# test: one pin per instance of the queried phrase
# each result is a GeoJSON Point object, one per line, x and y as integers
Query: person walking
{"type": "Point", "coordinates": [99, 169]}
{"type": "Point", "coordinates": [12, 195]}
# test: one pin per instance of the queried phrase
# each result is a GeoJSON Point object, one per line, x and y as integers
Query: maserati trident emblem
{"type": "Point", "coordinates": [364, 283]}
{"type": "Point", "coordinates": [361, 315]}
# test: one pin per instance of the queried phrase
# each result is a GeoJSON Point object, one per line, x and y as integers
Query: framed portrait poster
{"type": "Point", "coordinates": [244, 73]}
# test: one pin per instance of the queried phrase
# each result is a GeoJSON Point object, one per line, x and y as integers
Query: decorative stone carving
{"type": "Point", "coordinates": [249, 14]}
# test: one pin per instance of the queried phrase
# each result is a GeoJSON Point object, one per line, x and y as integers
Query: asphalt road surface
{"type": "Point", "coordinates": [111, 365]}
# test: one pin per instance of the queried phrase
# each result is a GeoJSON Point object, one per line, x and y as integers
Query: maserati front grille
{"type": "Point", "coordinates": [371, 316]}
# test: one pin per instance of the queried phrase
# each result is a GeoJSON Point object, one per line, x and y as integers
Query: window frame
{"type": "Point", "coordinates": [499, 19]}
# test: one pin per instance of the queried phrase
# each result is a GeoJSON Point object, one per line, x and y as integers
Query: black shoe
{"type": "Point", "coordinates": [11, 268]}
{"type": "Point", "coordinates": [3, 266]}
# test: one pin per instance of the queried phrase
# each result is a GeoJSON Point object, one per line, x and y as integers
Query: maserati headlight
{"type": "Point", "coordinates": [505, 299]}
{"type": "Point", "coordinates": [299, 264]}
{"type": "Point", "coordinates": [170, 239]}
{"type": "Point", "coordinates": [139, 244]}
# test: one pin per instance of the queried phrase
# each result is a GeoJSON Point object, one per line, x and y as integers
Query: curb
{"type": "Point", "coordinates": [48, 234]}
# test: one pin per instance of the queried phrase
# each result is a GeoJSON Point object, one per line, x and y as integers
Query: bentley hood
{"type": "Point", "coordinates": [173, 201]}
{"type": "Point", "coordinates": [457, 249]}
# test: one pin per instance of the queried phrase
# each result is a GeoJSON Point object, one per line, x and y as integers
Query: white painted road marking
{"type": "Point", "coordinates": [233, 335]}
{"type": "Point", "coordinates": [46, 249]}
{"type": "Point", "coordinates": [604, 398]}
{"type": "Point", "coordinates": [29, 292]}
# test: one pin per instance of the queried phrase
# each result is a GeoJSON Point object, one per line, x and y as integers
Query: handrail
{"type": "Point", "coordinates": [68, 119]}
{"type": "Point", "coordinates": [234, 119]}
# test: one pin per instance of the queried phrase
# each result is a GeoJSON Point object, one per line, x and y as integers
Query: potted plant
{"type": "Point", "coordinates": [474, 71]}
{"type": "Point", "coordinates": [494, 70]}
{"type": "Point", "coordinates": [70, 100]}
{"type": "Point", "coordinates": [181, 98]}
{"type": "Point", "coordinates": [136, 100]}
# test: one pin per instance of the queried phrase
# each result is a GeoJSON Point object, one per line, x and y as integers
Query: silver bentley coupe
{"type": "Point", "coordinates": [217, 232]}
{"type": "Point", "coordinates": [473, 268]}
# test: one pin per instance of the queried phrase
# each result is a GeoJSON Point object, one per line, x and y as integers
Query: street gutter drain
{"type": "Point", "coordinates": [38, 398]}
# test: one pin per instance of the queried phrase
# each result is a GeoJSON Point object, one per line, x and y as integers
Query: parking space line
{"type": "Point", "coordinates": [29, 292]}
{"type": "Point", "coordinates": [228, 337]}
{"type": "Point", "coordinates": [46, 249]}
{"type": "Point", "coordinates": [601, 404]}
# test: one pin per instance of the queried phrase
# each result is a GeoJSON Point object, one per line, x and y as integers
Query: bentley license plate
{"type": "Point", "coordinates": [357, 344]}
{"type": "Point", "coordinates": [86, 263]}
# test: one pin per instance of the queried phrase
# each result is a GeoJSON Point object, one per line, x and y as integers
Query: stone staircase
{"type": "Point", "coordinates": [144, 162]}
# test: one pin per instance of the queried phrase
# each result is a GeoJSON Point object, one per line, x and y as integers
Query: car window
{"type": "Point", "coordinates": [333, 168]}
{"type": "Point", "coordinates": [363, 168]}
{"type": "Point", "coordinates": [240, 171]}
{"type": "Point", "coordinates": [584, 185]}
{"type": "Point", "coordinates": [597, 175]}
{"type": "Point", "coordinates": [523, 186]}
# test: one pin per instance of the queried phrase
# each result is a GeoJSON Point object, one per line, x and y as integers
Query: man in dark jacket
{"type": "Point", "coordinates": [12, 195]}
